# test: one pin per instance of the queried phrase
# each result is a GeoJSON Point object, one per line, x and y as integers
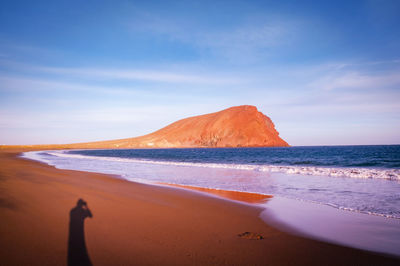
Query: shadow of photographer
{"type": "Point", "coordinates": [77, 252]}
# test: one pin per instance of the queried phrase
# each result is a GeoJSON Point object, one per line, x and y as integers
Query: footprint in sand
{"type": "Point", "coordinates": [250, 235]}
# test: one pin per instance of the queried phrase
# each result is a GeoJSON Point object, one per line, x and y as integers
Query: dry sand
{"type": "Point", "coordinates": [136, 224]}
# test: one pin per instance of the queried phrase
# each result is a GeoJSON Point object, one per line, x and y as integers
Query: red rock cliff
{"type": "Point", "coordinates": [240, 126]}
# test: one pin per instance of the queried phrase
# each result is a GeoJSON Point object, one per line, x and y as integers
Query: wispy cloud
{"type": "Point", "coordinates": [141, 75]}
{"type": "Point", "coordinates": [82, 117]}
{"type": "Point", "coordinates": [347, 92]}
{"type": "Point", "coordinates": [24, 85]}
{"type": "Point", "coordinates": [175, 75]}
{"type": "Point", "coordinates": [357, 80]}
{"type": "Point", "coordinates": [247, 40]}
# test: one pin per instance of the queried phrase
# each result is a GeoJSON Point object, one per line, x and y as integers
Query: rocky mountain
{"type": "Point", "coordinates": [239, 126]}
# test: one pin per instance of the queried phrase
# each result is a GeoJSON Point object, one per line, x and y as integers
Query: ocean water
{"type": "Point", "coordinates": [363, 179]}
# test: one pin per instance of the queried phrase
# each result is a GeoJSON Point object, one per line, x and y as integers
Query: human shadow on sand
{"type": "Point", "coordinates": [77, 252]}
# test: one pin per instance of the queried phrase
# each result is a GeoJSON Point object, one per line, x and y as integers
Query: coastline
{"type": "Point", "coordinates": [346, 228]}
{"type": "Point", "coordinates": [142, 224]}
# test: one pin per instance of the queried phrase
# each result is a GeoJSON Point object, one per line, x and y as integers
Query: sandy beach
{"type": "Point", "coordinates": [137, 224]}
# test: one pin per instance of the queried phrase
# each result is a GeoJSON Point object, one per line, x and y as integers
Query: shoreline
{"type": "Point", "coordinates": [365, 238]}
{"type": "Point", "coordinates": [142, 224]}
{"type": "Point", "coordinates": [346, 228]}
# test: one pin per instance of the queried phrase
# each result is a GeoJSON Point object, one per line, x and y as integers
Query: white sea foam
{"type": "Point", "coordinates": [388, 174]}
{"type": "Point", "coordinates": [364, 190]}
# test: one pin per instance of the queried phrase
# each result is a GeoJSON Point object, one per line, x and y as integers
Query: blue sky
{"type": "Point", "coordinates": [326, 72]}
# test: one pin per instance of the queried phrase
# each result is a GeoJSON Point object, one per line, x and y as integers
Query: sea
{"type": "Point", "coordinates": [344, 180]}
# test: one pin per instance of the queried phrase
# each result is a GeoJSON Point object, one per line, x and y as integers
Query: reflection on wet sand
{"type": "Point", "coordinates": [228, 194]}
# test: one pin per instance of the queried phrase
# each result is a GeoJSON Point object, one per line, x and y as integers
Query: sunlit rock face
{"type": "Point", "coordinates": [239, 126]}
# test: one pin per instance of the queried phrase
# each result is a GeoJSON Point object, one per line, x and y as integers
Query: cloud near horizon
{"type": "Point", "coordinates": [326, 93]}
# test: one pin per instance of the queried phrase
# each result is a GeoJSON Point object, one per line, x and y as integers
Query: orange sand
{"type": "Point", "coordinates": [141, 224]}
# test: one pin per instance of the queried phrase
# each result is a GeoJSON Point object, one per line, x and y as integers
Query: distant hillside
{"type": "Point", "coordinates": [239, 126]}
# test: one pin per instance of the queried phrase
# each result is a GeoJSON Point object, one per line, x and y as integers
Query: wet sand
{"type": "Point", "coordinates": [244, 197]}
{"type": "Point", "coordinates": [142, 224]}
{"type": "Point", "coordinates": [325, 223]}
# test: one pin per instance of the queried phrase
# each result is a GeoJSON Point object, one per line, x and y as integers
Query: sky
{"type": "Point", "coordinates": [325, 72]}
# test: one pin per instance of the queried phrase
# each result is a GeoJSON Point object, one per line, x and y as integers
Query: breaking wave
{"type": "Point", "coordinates": [351, 172]}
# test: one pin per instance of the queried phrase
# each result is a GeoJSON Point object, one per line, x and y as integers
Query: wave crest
{"type": "Point", "coordinates": [388, 174]}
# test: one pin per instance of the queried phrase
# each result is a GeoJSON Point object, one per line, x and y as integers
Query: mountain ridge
{"type": "Point", "coordinates": [238, 126]}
